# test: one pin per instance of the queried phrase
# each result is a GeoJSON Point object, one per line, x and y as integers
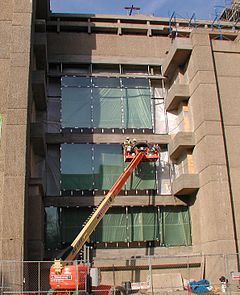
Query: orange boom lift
{"type": "Point", "coordinates": [66, 279]}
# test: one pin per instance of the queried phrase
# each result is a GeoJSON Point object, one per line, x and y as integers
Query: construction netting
{"type": "Point", "coordinates": [100, 102]}
{"type": "Point", "coordinates": [97, 166]}
{"type": "Point", "coordinates": [106, 102]}
{"type": "Point", "coordinates": [170, 225]}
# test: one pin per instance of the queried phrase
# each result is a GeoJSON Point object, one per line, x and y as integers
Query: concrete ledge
{"type": "Point", "coordinates": [40, 25]}
{"type": "Point", "coordinates": [176, 94]}
{"type": "Point", "coordinates": [40, 49]}
{"type": "Point", "coordinates": [181, 142]}
{"type": "Point", "coordinates": [177, 56]}
{"type": "Point", "coordinates": [164, 200]}
{"type": "Point", "coordinates": [185, 184]}
{"type": "Point", "coordinates": [38, 182]}
{"type": "Point", "coordinates": [58, 138]}
{"type": "Point", "coordinates": [38, 141]}
{"type": "Point", "coordinates": [39, 90]}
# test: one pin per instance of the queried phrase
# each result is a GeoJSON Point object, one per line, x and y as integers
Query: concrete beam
{"type": "Point", "coordinates": [40, 25]}
{"type": "Point", "coordinates": [59, 138]}
{"type": "Point", "coordinates": [181, 142]}
{"type": "Point", "coordinates": [71, 201]}
{"type": "Point", "coordinates": [40, 49]}
{"type": "Point", "coordinates": [39, 90]}
{"type": "Point", "coordinates": [100, 59]}
{"type": "Point", "coordinates": [38, 140]}
{"type": "Point", "coordinates": [177, 56]}
{"type": "Point", "coordinates": [185, 184]}
{"type": "Point", "coordinates": [43, 9]}
{"type": "Point", "coordinates": [176, 94]}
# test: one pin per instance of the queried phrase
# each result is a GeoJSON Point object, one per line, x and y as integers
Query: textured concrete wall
{"type": "Point", "coordinates": [112, 47]}
{"type": "Point", "coordinates": [212, 229]}
{"type": "Point", "coordinates": [228, 77]}
{"type": "Point", "coordinates": [15, 34]}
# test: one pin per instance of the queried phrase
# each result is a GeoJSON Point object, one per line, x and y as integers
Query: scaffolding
{"type": "Point", "coordinates": [231, 12]}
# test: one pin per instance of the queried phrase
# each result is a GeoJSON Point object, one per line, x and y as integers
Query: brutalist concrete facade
{"type": "Point", "coordinates": [201, 76]}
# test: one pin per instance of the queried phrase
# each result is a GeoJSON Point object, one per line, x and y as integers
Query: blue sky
{"type": "Point", "coordinates": [204, 9]}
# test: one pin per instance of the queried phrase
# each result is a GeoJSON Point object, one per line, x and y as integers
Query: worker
{"type": "Point", "coordinates": [134, 148]}
{"type": "Point", "coordinates": [127, 144]}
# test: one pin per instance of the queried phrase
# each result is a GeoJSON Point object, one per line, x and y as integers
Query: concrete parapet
{"type": "Point", "coordinates": [176, 94]}
{"type": "Point", "coordinates": [186, 184]}
{"type": "Point", "coordinates": [180, 142]}
{"type": "Point", "coordinates": [177, 56]}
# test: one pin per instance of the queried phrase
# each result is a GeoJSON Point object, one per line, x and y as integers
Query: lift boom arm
{"type": "Point", "coordinates": [100, 211]}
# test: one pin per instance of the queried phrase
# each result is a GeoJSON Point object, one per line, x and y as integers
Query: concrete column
{"type": "Point", "coordinates": [211, 213]}
{"type": "Point", "coordinates": [15, 36]}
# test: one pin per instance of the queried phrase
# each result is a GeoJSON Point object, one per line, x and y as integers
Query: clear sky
{"type": "Point", "coordinates": [204, 9]}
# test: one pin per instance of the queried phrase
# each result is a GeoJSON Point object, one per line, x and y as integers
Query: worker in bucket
{"type": "Point", "coordinates": [127, 144]}
{"type": "Point", "coordinates": [134, 142]}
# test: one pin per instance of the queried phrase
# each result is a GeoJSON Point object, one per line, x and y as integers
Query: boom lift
{"type": "Point", "coordinates": [66, 279]}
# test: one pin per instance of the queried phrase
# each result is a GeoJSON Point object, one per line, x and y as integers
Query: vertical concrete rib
{"type": "Point", "coordinates": [226, 156]}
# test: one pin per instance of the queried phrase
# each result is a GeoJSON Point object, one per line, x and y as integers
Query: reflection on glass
{"type": "Point", "coordinates": [102, 102]}
{"type": "Point", "coordinates": [137, 108]}
{"type": "Point", "coordinates": [76, 107]}
{"type": "Point", "coordinates": [107, 108]}
{"type": "Point", "coordinates": [76, 166]}
{"type": "Point", "coordinates": [108, 165]}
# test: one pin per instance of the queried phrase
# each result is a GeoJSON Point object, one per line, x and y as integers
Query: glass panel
{"type": "Point", "coordinates": [144, 225]}
{"type": "Point", "coordinates": [72, 220]}
{"type": "Point", "coordinates": [135, 83]}
{"type": "Point", "coordinates": [176, 226]}
{"type": "Point", "coordinates": [108, 165]}
{"type": "Point", "coordinates": [71, 81]}
{"type": "Point", "coordinates": [76, 166]}
{"type": "Point", "coordinates": [104, 82]}
{"type": "Point", "coordinates": [137, 108]}
{"type": "Point", "coordinates": [76, 107]}
{"type": "Point", "coordinates": [52, 228]}
{"type": "Point", "coordinates": [107, 108]}
{"type": "Point", "coordinates": [112, 228]}
{"type": "Point", "coordinates": [143, 177]}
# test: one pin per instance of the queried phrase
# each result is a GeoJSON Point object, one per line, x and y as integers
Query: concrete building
{"type": "Point", "coordinates": [72, 88]}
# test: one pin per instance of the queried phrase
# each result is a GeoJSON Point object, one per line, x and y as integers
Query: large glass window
{"type": "Point", "coordinates": [97, 166]}
{"type": "Point", "coordinates": [106, 103]}
{"type": "Point", "coordinates": [170, 225]}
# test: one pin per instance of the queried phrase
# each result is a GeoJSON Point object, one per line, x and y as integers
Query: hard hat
{"type": "Point", "coordinates": [127, 137]}
{"type": "Point", "coordinates": [134, 139]}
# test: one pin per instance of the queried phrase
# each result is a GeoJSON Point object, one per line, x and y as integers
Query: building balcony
{"type": "Point", "coordinates": [177, 56]}
{"type": "Point", "coordinates": [38, 140]}
{"type": "Point", "coordinates": [176, 94]}
{"type": "Point", "coordinates": [181, 142]}
{"type": "Point", "coordinates": [39, 90]}
{"type": "Point", "coordinates": [185, 184]}
{"type": "Point", "coordinates": [40, 49]}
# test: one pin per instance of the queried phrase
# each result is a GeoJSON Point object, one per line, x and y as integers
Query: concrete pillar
{"type": "Point", "coordinates": [211, 213]}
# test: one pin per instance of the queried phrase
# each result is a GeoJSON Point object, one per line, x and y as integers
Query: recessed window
{"type": "Point", "coordinates": [98, 166]}
{"type": "Point", "coordinates": [169, 225]}
{"type": "Point", "coordinates": [106, 103]}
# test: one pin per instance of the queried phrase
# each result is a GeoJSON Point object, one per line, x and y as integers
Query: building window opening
{"type": "Point", "coordinates": [168, 225]}
{"type": "Point", "coordinates": [101, 102]}
{"type": "Point", "coordinates": [97, 167]}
